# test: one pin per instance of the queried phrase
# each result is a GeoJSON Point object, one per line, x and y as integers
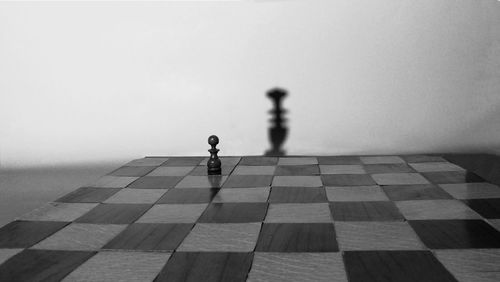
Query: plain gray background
{"type": "Point", "coordinates": [93, 81]}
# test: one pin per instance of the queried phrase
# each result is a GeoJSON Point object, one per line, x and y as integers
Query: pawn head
{"type": "Point", "coordinates": [213, 140]}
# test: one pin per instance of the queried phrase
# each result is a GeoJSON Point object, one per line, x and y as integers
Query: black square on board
{"type": "Point", "coordinates": [415, 192]}
{"type": "Point", "coordinates": [347, 180]}
{"type": "Point", "coordinates": [24, 234]}
{"type": "Point", "coordinates": [401, 266]}
{"type": "Point", "coordinates": [365, 211]}
{"type": "Point", "coordinates": [188, 196]}
{"type": "Point", "coordinates": [234, 213]}
{"type": "Point", "coordinates": [422, 159]}
{"type": "Point", "coordinates": [297, 237]}
{"type": "Point", "coordinates": [488, 208]}
{"type": "Point", "coordinates": [88, 195]}
{"type": "Point", "coordinates": [387, 168]}
{"type": "Point", "coordinates": [155, 182]}
{"type": "Point", "coordinates": [448, 177]}
{"type": "Point", "coordinates": [183, 161]}
{"type": "Point", "coordinates": [284, 170]}
{"type": "Point", "coordinates": [42, 265]}
{"type": "Point", "coordinates": [339, 160]}
{"type": "Point", "coordinates": [298, 195]}
{"type": "Point", "coordinates": [206, 266]}
{"type": "Point", "coordinates": [150, 237]}
{"type": "Point", "coordinates": [132, 171]}
{"type": "Point", "coordinates": [456, 234]}
{"type": "Point", "coordinates": [114, 213]}
{"type": "Point", "coordinates": [247, 181]}
{"type": "Point", "coordinates": [259, 161]}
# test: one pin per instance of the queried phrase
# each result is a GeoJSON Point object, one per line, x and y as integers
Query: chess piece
{"type": "Point", "coordinates": [214, 163]}
{"type": "Point", "coordinates": [278, 132]}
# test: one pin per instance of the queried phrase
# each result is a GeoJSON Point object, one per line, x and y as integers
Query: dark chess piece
{"type": "Point", "coordinates": [278, 132]}
{"type": "Point", "coordinates": [214, 163]}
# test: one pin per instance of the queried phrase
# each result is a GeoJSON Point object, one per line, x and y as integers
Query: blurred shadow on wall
{"type": "Point", "coordinates": [278, 131]}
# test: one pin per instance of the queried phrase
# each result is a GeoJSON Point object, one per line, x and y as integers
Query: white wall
{"type": "Point", "coordinates": [106, 81]}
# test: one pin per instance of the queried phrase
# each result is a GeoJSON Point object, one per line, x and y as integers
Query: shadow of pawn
{"type": "Point", "coordinates": [278, 131]}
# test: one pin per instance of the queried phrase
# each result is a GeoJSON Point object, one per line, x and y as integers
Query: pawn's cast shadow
{"type": "Point", "coordinates": [278, 131]}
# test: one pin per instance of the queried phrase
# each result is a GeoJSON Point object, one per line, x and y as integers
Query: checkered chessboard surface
{"type": "Point", "coordinates": [374, 218]}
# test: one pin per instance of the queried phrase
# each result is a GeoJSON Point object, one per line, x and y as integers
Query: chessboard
{"type": "Point", "coordinates": [332, 218]}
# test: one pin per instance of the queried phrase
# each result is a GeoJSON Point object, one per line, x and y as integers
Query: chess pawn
{"type": "Point", "coordinates": [214, 163]}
